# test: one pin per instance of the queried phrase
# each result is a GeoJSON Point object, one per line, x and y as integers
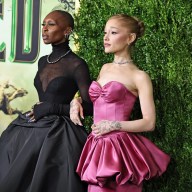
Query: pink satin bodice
{"type": "Point", "coordinates": [113, 101]}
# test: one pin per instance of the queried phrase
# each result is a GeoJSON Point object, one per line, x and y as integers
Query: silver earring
{"type": "Point", "coordinates": [66, 36]}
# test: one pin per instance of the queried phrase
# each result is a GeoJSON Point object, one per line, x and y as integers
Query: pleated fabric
{"type": "Point", "coordinates": [42, 156]}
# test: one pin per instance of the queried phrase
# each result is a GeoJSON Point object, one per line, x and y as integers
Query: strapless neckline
{"type": "Point", "coordinates": [117, 82]}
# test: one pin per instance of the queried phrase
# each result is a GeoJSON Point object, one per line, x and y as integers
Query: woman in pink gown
{"type": "Point", "coordinates": [115, 157]}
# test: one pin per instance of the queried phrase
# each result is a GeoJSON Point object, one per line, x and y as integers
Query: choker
{"type": "Point", "coordinates": [128, 61]}
{"type": "Point", "coordinates": [48, 61]}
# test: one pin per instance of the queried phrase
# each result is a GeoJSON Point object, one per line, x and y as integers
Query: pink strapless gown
{"type": "Point", "coordinates": [118, 160]}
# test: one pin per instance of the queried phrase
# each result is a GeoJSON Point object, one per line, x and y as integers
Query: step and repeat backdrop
{"type": "Point", "coordinates": [21, 46]}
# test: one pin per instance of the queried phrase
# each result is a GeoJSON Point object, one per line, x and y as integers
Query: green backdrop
{"type": "Point", "coordinates": [165, 53]}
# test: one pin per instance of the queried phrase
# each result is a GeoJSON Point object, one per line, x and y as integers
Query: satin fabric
{"type": "Point", "coordinates": [41, 157]}
{"type": "Point", "coordinates": [118, 157]}
{"type": "Point", "coordinates": [128, 187]}
{"type": "Point", "coordinates": [112, 101]}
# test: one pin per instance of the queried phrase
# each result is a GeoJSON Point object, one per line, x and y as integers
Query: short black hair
{"type": "Point", "coordinates": [68, 17]}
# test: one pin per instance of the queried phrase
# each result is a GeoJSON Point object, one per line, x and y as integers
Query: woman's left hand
{"type": "Point", "coordinates": [30, 114]}
{"type": "Point", "coordinates": [31, 117]}
{"type": "Point", "coordinates": [105, 126]}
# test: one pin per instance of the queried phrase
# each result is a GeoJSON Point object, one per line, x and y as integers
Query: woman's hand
{"type": "Point", "coordinates": [76, 111]}
{"type": "Point", "coordinates": [105, 126]}
{"type": "Point", "coordinates": [30, 114]}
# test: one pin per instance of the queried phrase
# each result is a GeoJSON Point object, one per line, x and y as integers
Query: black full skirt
{"type": "Point", "coordinates": [41, 156]}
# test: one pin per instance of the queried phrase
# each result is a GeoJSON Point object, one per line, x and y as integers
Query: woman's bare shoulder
{"type": "Point", "coordinates": [140, 75]}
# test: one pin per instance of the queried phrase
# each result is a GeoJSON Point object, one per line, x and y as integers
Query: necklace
{"type": "Point", "coordinates": [48, 61]}
{"type": "Point", "coordinates": [128, 61]}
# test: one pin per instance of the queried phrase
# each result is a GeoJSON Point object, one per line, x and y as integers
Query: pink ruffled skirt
{"type": "Point", "coordinates": [120, 158]}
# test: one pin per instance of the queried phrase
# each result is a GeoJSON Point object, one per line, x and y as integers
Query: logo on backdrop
{"type": "Point", "coordinates": [20, 42]}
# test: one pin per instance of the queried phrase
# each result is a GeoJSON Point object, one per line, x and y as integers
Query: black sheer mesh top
{"type": "Point", "coordinates": [58, 82]}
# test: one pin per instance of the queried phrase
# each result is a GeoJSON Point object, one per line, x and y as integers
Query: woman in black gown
{"type": "Point", "coordinates": [39, 150]}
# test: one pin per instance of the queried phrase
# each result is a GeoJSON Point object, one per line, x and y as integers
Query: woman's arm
{"type": "Point", "coordinates": [83, 80]}
{"type": "Point", "coordinates": [147, 123]}
{"type": "Point", "coordinates": [76, 108]}
{"type": "Point", "coordinates": [80, 74]}
{"type": "Point", "coordinates": [76, 111]}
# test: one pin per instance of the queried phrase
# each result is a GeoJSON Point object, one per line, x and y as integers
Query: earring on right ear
{"type": "Point", "coordinates": [66, 36]}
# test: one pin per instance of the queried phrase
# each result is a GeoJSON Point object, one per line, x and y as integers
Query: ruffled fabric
{"type": "Point", "coordinates": [121, 157]}
{"type": "Point", "coordinates": [118, 159]}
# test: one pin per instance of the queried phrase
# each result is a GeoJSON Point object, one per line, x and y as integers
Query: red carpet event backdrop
{"type": "Point", "coordinates": [21, 46]}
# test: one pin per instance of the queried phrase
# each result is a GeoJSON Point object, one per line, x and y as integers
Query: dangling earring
{"type": "Point", "coordinates": [66, 36]}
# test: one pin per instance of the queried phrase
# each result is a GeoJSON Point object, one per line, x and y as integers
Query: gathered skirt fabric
{"type": "Point", "coordinates": [41, 156]}
{"type": "Point", "coordinates": [121, 158]}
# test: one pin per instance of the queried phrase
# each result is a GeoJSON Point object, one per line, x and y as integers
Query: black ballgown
{"type": "Point", "coordinates": [42, 156]}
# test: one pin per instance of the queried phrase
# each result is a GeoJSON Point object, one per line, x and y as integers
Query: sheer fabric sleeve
{"type": "Point", "coordinates": [83, 80]}
{"type": "Point", "coordinates": [77, 70]}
